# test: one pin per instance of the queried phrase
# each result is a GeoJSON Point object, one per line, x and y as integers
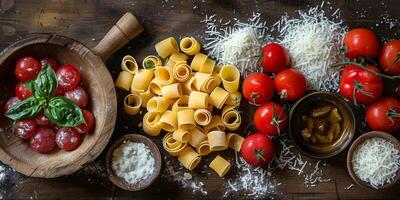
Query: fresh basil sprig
{"type": "Point", "coordinates": [59, 110]}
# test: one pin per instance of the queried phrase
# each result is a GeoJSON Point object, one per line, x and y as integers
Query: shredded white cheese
{"type": "Point", "coordinates": [133, 162]}
{"type": "Point", "coordinates": [376, 161]}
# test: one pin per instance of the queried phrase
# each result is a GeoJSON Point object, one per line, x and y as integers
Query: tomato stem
{"type": "Point", "coordinates": [358, 87]}
{"type": "Point", "coordinates": [366, 69]}
{"type": "Point", "coordinates": [397, 60]}
{"type": "Point", "coordinates": [283, 94]}
{"type": "Point", "coordinates": [393, 112]}
{"type": "Point", "coordinates": [259, 155]}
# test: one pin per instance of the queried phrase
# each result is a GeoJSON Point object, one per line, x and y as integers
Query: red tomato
{"type": "Point", "coordinates": [68, 139]}
{"type": "Point", "coordinates": [22, 92]}
{"type": "Point", "coordinates": [42, 120]}
{"type": "Point", "coordinates": [275, 58]}
{"type": "Point", "coordinates": [384, 115]}
{"type": "Point", "coordinates": [68, 77]}
{"type": "Point", "coordinates": [258, 88]}
{"type": "Point", "coordinates": [365, 86]}
{"type": "Point", "coordinates": [89, 120]}
{"type": "Point", "coordinates": [290, 84]}
{"type": "Point", "coordinates": [27, 68]}
{"type": "Point", "coordinates": [25, 129]}
{"type": "Point", "coordinates": [11, 102]}
{"type": "Point", "coordinates": [270, 118]}
{"type": "Point", "coordinates": [361, 42]}
{"type": "Point", "coordinates": [78, 96]}
{"type": "Point", "coordinates": [389, 59]}
{"type": "Point", "coordinates": [257, 149]}
{"type": "Point", "coordinates": [59, 91]}
{"type": "Point", "coordinates": [49, 61]}
{"type": "Point", "coordinates": [44, 141]}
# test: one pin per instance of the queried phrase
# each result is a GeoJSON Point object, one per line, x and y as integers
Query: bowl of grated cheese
{"type": "Point", "coordinates": [373, 160]}
{"type": "Point", "coordinates": [133, 162]}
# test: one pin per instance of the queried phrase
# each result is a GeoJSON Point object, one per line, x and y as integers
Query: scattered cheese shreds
{"type": "Point", "coordinates": [376, 161]}
{"type": "Point", "coordinates": [314, 43]}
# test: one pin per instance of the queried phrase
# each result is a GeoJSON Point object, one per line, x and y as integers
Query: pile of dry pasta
{"type": "Point", "coordinates": [181, 99]}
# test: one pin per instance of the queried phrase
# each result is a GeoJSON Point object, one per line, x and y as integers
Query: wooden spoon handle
{"type": "Point", "coordinates": [120, 34]}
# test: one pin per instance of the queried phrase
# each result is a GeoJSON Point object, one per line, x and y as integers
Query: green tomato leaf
{"type": "Point", "coordinates": [45, 83]}
{"type": "Point", "coordinates": [28, 108]}
{"type": "Point", "coordinates": [64, 112]}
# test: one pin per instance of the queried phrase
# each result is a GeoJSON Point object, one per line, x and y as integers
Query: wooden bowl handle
{"type": "Point", "coordinates": [120, 34]}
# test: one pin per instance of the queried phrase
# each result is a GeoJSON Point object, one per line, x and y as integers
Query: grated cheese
{"type": "Point", "coordinates": [376, 161]}
{"type": "Point", "coordinates": [314, 43]}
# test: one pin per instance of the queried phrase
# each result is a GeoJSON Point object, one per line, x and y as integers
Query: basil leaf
{"type": "Point", "coordinates": [45, 83]}
{"type": "Point", "coordinates": [25, 109]}
{"type": "Point", "coordinates": [64, 112]}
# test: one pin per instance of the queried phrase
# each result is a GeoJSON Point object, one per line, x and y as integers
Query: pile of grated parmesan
{"type": "Point", "coordinates": [314, 43]}
{"type": "Point", "coordinates": [133, 162]}
{"type": "Point", "coordinates": [376, 161]}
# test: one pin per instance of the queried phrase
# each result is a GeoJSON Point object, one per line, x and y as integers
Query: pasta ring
{"type": "Point", "coordinates": [202, 116]}
{"type": "Point", "coordinates": [164, 75]}
{"type": "Point", "coordinates": [230, 77]}
{"type": "Point", "coordinates": [189, 158]}
{"type": "Point", "coordinates": [151, 62]}
{"type": "Point", "coordinates": [196, 136]}
{"type": "Point", "coordinates": [168, 121]}
{"type": "Point", "coordinates": [217, 140]}
{"type": "Point", "coordinates": [203, 148]}
{"type": "Point", "coordinates": [167, 47]}
{"type": "Point", "coordinates": [181, 104]}
{"type": "Point", "coordinates": [190, 46]}
{"type": "Point", "coordinates": [182, 71]}
{"type": "Point", "coordinates": [173, 147]}
{"type": "Point", "coordinates": [234, 141]}
{"type": "Point", "coordinates": [181, 135]}
{"type": "Point", "coordinates": [129, 64]}
{"type": "Point", "coordinates": [150, 123]}
{"type": "Point", "coordinates": [132, 103]}
{"type": "Point", "coordinates": [124, 80]}
{"type": "Point", "coordinates": [220, 165]}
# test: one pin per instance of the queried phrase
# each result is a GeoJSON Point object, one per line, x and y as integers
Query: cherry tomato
{"type": "Point", "coordinates": [275, 58]}
{"type": "Point", "coordinates": [68, 77]}
{"type": "Point", "coordinates": [361, 42]}
{"type": "Point", "coordinates": [258, 88]}
{"type": "Point", "coordinates": [11, 102]}
{"type": "Point", "coordinates": [49, 61]}
{"type": "Point", "coordinates": [290, 84]}
{"type": "Point", "coordinates": [78, 96]}
{"type": "Point", "coordinates": [44, 141]}
{"type": "Point", "coordinates": [270, 118]}
{"type": "Point", "coordinates": [365, 86]}
{"type": "Point", "coordinates": [389, 59]}
{"type": "Point", "coordinates": [25, 129]}
{"type": "Point", "coordinates": [22, 92]}
{"type": "Point", "coordinates": [27, 68]}
{"type": "Point", "coordinates": [68, 139]}
{"type": "Point", "coordinates": [257, 149]}
{"type": "Point", "coordinates": [384, 115]}
{"type": "Point", "coordinates": [89, 120]}
{"type": "Point", "coordinates": [42, 120]}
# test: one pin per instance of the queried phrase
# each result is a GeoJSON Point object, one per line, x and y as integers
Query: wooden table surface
{"type": "Point", "coordinates": [88, 21]}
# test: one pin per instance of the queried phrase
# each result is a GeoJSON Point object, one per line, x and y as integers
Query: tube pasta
{"type": "Point", "coordinates": [151, 62]}
{"type": "Point", "coordinates": [181, 135]}
{"type": "Point", "coordinates": [157, 104]}
{"type": "Point", "coordinates": [217, 140]}
{"type": "Point", "coordinates": [190, 46]}
{"type": "Point", "coordinates": [172, 91]}
{"type": "Point", "coordinates": [141, 80]}
{"type": "Point", "coordinates": [188, 86]}
{"type": "Point", "coordinates": [175, 58]}
{"type": "Point", "coordinates": [196, 136]}
{"type": "Point", "coordinates": [234, 99]}
{"type": "Point", "coordinates": [198, 100]}
{"type": "Point", "coordinates": [218, 97]}
{"type": "Point", "coordinates": [181, 104]}
{"type": "Point", "coordinates": [181, 71]}
{"type": "Point", "coordinates": [155, 86]}
{"type": "Point", "coordinates": [172, 146]}
{"type": "Point", "coordinates": [231, 119]}
{"type": "Point", "coordinates": [132, 103]}
{"type": "Point", "coordinates": [145, 96]}
{"type": "Point", "coordinates": [167, 47]}
{"type": "Point", "coordinates": [230, 76]}
{"type": "Point", "coordinates": [189, 158]}
{"type": "Point", "coordinates": [164, 75]}
{"type": "Point", "coordinates": [150, 123]}
{"type": "Point", "coordinates": [208, 66]}
{"type": "Point", "coordinates": [234, 141]}
{"type": "Point", "coordinates": [203, 148]}
{"type": "Point", "coordinates": [124, 80]}
{"type": "Point", "coordinates": [215, 124]}
{"type": "Point", "coordinates": [198, 60]}
{"type": "Point", "coordinates": [129, 64]}
{"type": "Point", "coordinates": [186, 119]}
{"type": "Point", "coordinates": [206, 82]}
{"type": "Point", "coordinates": [169, 121]}
{"type": "Point", "coordinates": [202, 116]}
{"type": "Point", "coordinates": [220, 165]}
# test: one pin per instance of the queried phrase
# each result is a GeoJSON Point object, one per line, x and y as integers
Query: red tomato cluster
{"type": "Point", "coordinates": [364, 85]}
{"type": "Point", "coordinates": [270, 118]}
{"type": "Point", "coordinates": [44, 135]}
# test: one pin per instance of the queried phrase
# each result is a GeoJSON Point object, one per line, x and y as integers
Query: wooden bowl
{"type": "Point", "coordinates": [359, 141]}
{"type": "Point", "coordinates": [16, 152]}
{"type": "Point", "coordinates": [348, 125]}
{"type": "Point", "coordinates": [120, 182]}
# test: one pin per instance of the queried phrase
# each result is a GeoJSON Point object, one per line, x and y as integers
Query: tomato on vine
{"type": "Point", "coordinates": [389, 59]}
{"type": "Point", "coordinates": [275, 58]}
{"type": "Point", "coordinates": [258, 88]}
{"type": "Point", "coordinates": [361, 42]}
{"type": "Point", "coordinates": [257, 149]}
{"type": "Point", "coordinates": [270, 118]}
{"type": "Point", "coordinates": [384, 115]}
